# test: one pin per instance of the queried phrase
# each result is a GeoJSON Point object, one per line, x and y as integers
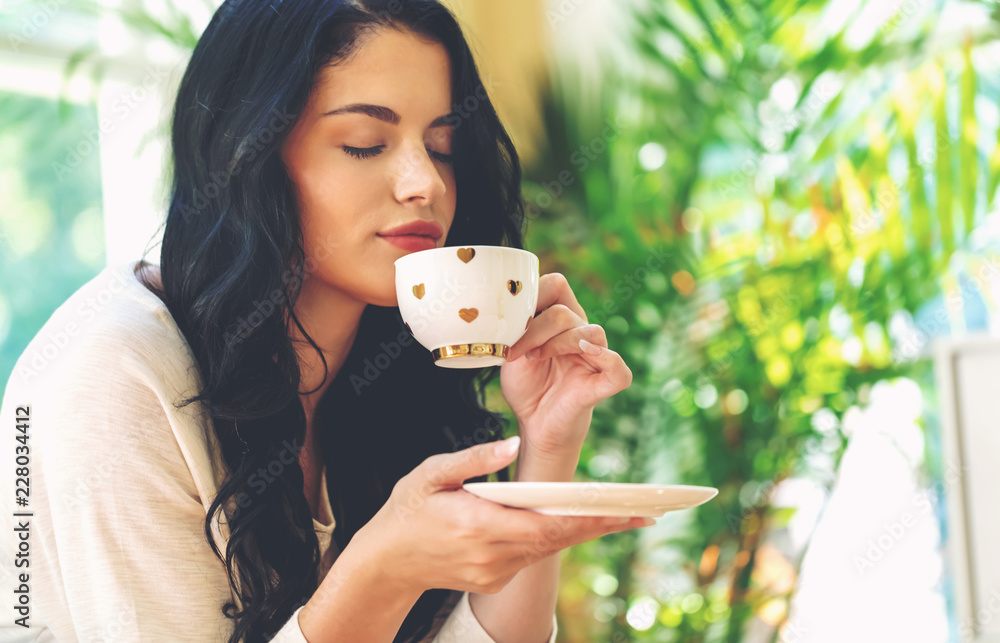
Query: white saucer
{"type": "Point", "coordinates": [593, 498]}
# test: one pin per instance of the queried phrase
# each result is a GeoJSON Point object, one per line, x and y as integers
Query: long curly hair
{"type": "Point", "coordinates": [232, 266]}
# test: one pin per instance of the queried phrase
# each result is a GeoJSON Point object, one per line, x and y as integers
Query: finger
{"type": "Point", "coordinates": [553, 288]}
{"type": "Point", "coordinates": [613, 374]}
{"type": "Point", "coordinates": [519, 526]}
{"type": "Point", "coordinates": [549, 323]}
{"type": "Point", "coordinates": [568, 343]}
{"type": "Point", "coordinates": [610, 373]}
{"type": "Point", "coordinates": [452, 469]}
{"type": "Point", "coordinates": [558, 539]}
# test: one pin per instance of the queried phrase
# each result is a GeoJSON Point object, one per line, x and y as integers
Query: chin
{"type": "Point", "coordinates": [384, 300]}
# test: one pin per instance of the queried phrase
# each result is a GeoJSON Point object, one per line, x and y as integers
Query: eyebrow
{"type": "Point", "coordinates": [382, 114]}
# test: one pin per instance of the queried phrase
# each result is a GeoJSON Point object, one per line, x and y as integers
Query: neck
{"type": "Point", "coordinates": [331, 318]}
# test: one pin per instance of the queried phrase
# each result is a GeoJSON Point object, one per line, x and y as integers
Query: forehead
{"type": "Point", "coordinates": [395, 68]}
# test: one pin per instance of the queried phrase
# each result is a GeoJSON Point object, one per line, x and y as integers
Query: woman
{"type": "Point", "coordinates": [247, 472]}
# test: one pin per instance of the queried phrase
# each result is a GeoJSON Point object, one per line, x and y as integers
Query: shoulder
{"type": "Point", "coordinates": [112, 328]}
{"type": "Point", "coordinates": [105, 378]}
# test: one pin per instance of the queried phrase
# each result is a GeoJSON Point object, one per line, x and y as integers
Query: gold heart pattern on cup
{"type": "Point", "coordinates": [469, 315]}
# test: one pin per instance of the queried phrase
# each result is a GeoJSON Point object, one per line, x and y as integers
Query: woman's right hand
{"type": "Point", "coordinates": [431, 533]}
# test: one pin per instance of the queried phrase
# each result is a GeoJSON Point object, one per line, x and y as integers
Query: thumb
{"type": "Point", "coordinates": [482, 459]}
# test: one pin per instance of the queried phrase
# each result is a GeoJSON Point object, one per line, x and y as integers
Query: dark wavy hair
{"type": "Point", "coordinates": [232, 263]}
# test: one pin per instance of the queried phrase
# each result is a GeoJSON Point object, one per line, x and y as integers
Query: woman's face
{"type": "Point", "coordinates": [369, 154]}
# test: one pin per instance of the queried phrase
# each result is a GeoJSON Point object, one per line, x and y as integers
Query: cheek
{"type": "Point", "coordinates": [341, 179]}
{"type": "Point", "coordinates": [328, 199]}
{"type": "Point", "coordinates": [319, 183]}
{"type": "Point", "coordinates": [452, 194]}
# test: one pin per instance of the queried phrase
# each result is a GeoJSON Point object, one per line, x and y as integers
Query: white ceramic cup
{"type": "Point", "coordinates": [467, 305]}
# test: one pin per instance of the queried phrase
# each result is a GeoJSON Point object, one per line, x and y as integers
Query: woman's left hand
{"type": "Point", "coordinates": [554, 394]}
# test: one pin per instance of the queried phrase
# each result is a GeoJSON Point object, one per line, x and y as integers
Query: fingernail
{"type": "Point", "coordinates": [590, 349]}
{"type": "Point", "coordinates": [532, 354]}
{"type": "Point", "coordinates": [616, 521]}
{"type": "Point", "coordinates": [648, 522]}
{"type": "Point", "coordinates": [508, 447]}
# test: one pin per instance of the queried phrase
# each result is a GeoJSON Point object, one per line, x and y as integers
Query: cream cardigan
{"type": "Point", "coordinates": [120, 481]}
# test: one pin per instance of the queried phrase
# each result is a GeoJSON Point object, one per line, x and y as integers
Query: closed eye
{"type": "Point", "coordinates": [444, 158]}
{"type": "Point", "coordinates": [369, 152]}
{"type": "Point", "coordinates": [364, 152]}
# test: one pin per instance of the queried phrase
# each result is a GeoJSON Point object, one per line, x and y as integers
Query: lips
{"type": "Point", "coordinates": [411, 242]}
{"type": "Point", "coordinates": [427, 229]}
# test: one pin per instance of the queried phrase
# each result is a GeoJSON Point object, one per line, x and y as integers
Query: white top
{"type": "Point", "coordinates": [120, 481]}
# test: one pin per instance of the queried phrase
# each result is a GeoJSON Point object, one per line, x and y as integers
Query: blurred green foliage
{"type": "Point", "coordinates": [807, 192]}
{"type": "Point", "coordinates": [51, 228]}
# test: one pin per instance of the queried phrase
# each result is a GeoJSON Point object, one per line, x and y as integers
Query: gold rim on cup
{"type": "Point", "coordinates": [471, 350]}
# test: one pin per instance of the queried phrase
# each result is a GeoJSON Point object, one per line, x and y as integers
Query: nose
{"type": "Point", "coordinates": [415, 177]}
